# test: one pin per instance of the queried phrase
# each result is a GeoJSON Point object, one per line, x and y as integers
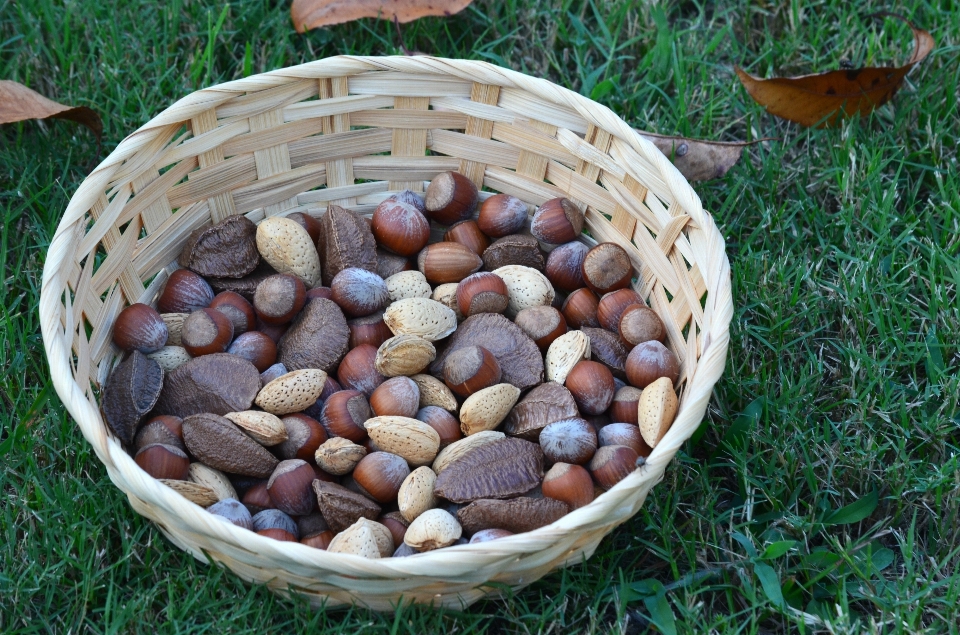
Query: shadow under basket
{"type": "Point", "coordinates": [350, 131]}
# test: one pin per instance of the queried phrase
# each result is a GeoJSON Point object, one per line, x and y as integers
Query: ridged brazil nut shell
{"type": "Point", "coordinates": [217, 442]}
{"type": "Point", "coordinates": [501, 469]}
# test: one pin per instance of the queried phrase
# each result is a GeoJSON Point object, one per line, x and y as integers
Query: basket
{"type": "Point", "coordinates": [349, 130]}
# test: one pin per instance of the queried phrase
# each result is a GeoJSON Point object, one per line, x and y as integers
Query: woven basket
{"type": "Point", "coordinates": [349, 130]}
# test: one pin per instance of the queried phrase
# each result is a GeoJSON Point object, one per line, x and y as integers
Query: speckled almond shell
{"type": "Point", "coordinates": [292, 392]}
{"type": "Point", "coordinates": [527, 287]}
{"type": "Point", "coordinates": [416, 493]}
{"type": "Point", "coordinates": [656, 409]}
{"type": "Point", "coordinates": [433, 529]}
{"type": "Point", "coordinates": [420, 316]}
{"type": "Point", "coordinates": [381, 534]}
{"type": "Point", "coordinates": [267, 429]}
{"type": "Point", "coordinates": [193, 492]}
{"type": "Point", "coordinates": [286, 246]}
{"type": "Point", "coordinates": [214, 479]}
{"type": "Point", "coordinates": [446, 294]}
{"type": "Point", "coordinates": [409, 438]}
{"type": "Point", "coordinates": [434, 392]}
{"type": "Point", "coordinates": [339, 456]}
{"type": "Point", "coordinates": [408, 284]}
{"type": "Point", "coordinates": [404, 355]}
{"type": "Point", "coordinates": [564, 353]}
{"type": "Point", "coordinates": [485, 409]}
{"type": "Point", "coordinates": [358, 540]}
{"type": "Point", "coordinates": [460, 448]}
{"type": "Point", "coordinates": [170, 357]}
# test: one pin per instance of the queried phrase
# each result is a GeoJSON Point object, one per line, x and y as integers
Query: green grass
{"type": "Point", "coordinates": [826, 481]}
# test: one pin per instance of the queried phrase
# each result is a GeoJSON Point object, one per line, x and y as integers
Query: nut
{"type": "Point", "coordinates": [624, 406]}
{"type": "Point", "coordinates": [501, 469]}
{"type": "Point", "coordinates": [318, 541]}
{"type": "Point", "coordinates": [317, 338]}
{"type": "Point", "coordinates": [471, 369]}
{"type": "Point", "coordinates": [218, 383]}
{"type": "Point", "coordinates": [292, 392]}
{"type": "Point", "coordinates": [407, 284]}
{"type": "Point", "coordinates": [656, 410]}
{"type": "Point", "coordinates": [255, 347]}
{"type": "Point", "coordinates": [404, 355]}
{"type": "Point", "coordinates": [228, 249]}
{"type": "Point", "coordinates": [163, 462]}
{"type": "Point", "coordinates": [319, 292]}
{"type": "Point", "coordinates": [398, 396]}
{"type": "Point", "coordinates": [569, 441]}
{"type": "Point", "coordinates": [132, 390]}
{"type": "Point", "coordinates": [238, 309]}
{"type": "Point", "coordinates": [217, 442]}
{"type": "Point", "coordinates": [206, 331]}
{"type": "Point", "coordinates": [287, 247]}
{"type": "Point", "coordinates": [527, 287]}
{"type": "Point", "coordinates": [517, 249]}
{"type": "Point", "coordinates": [517, 515]}
{"type": "Point", "coordinates": [380, 474]}
{"type": "Point", "coordinates": [569, 483]}
{"type": "Point", "coordinates": [591, 384]}
{"type": "Point", "coordinates": [344, 413]}
{"type": "Point", "coordinates": [450, 197]}
{"type": "Point", "coordinates": [389, 264]}
{"type": "Point", "coordinates": [461, 448]}
{"type": "Point", "coordinates": [416, 493]}
{"type": "Point", "coordinates": [345, 241]}
{"type": "Point", "coordinates": [396, 524]}
{"type": "Point", "coordinates": [565, 352]}
{"type": "Point", "coordinates": [419, 316]}
{"type": "Point", "coordinates": [256, 499]}
{"type": "Point", "coordinates": [623, 434]}
{"type": "Point", "coordinates": [359, 292]}
{"type": "Point", "coordinates": [446, 294]}
{"type": "Point", "coordinates": [198, 494]}
{"type": "Point", "coordinates": [370, 329]}
{"type": "Point", "coordinates": [382, 534]}
{"type": "Point", "coordinates": [309, 223]}
{"type": "Point", "coordinates": [411, 198]}
{"type": "Point", "coordinates": [434, 392]}
{"type": "Point", "coordinates": [304, 436]}
{"type": "Point", "coordinates": [339, 456]}
{"type": "Point", "coordinates": [447, 262]}
{"type": "Point", "coordinates": [216, 480]}
{"type": "Point", "coordinates": [542, 406]}
{"type": "Point", "coordinates": [185, 292]}
{"type": "Point", "coordinates": [279, 298]}
{"type": "Point", "coordinates": [275, 524]}
{"type": "Point", "coordinates": [563, 266]}
{"type": "Point", "coordinates": [400, 227]}
{"type": "Point", "coordinates": [413, 440]}
{"type": "Point", "coordinates": [607, 348]}
{"type": "Point", "coordinates": [557, 221]}
{"type": "Point", "coordinates": [139, 327]}
{"type": "Point", "coordinates": [341, 507]}
{"type": "Point", "coordinates": [443, 422]}
{"type": "Point", "coordinates": [163, 429]}
{"type": "Point", "coordinates": [174, 322]}
{"type": "Point", "coordinates": [580, 309]}
{"type": "Point", "coordinates": [543, 324]}
{"type": "Point", "coordinates": [613, 304]}
{"type": "Point", "coordinates": [433, 529]}
{"type": "Point", "coordinates": [649, 361]}
{"type": "Point", "coordinates": [606, 268]}
{"type": "Point", "coordinates": [482, 292]}
{"type": "Point", "coordinates": [611, 464]}
{"type": "Point", "coordinates": [639, 323]}
{"type": "Point", "coordinates": [486, 535]}
{"type": "Point", "coordinates": [233, 512]}
{"type": "Point", "coordinates": [358, 370]}
{"type": "Point", "coordinates": [501, 214]}
{"type": "Point", "coordinates": [170, 357]}
{"type": "Point", "coordinates": [485, 409]}
{"type": "Point", "coordinates": [290, 489]}
{"type": "Point", "coordinates": [468, 234]}
{"type": "Point", "coordinates": [265, 428]}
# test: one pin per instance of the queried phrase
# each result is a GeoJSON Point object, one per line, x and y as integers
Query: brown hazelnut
{"type": "Point", "coordinates": [649, 361]}
{"type": "Point", "coordinates": [557, 221]}
{"type": "Point", "coordinates": [279, 298]}
{"type": "Point", "coordinates": [344, 413]}
{"type": "Point", "coordinates": [482, 292]}
{"type": "Point", "coordinates": [165, 429]}
{"type": "Point", "coordinates": [358, 370]}
{"type": "Point", "coordinates": [370, 329]}
{"type": "Point", "coordinates": [319, 292]}
{"type": "Point", "coordinates": [580, 309]}
{"type": "Point", "coordinates": [411, 198]}
{"type": "Point", "coordinates": [275, 524]}
{"type": "Point", "coordinates": [447, 262]}
{"type": "Point", "coordinates": [563, 268]}
{"type": "Point", "coordinates": [624, 434]}
{"type": "Point", "coordinates": [206, 331]}
{"type": "Point", "coordinates": [397, 524]}
{"type": "Point", "coordinates": [542, 324]}
{"type": "Point", "coordinates": [139, 327]}
{"type": "Point", "coordinates": [309, 223]}
{"type": "Point", "coordinates": [613, 304]}
{"type": "Point", "coordinates": [606, 268]}
{"type": "Point", "coordinates": [256, 498]}
{"type": "Point", "coordinates": [501, 215]}
{"type": "Point", "coordinates": [640, 323]}
{"type": "Point", "coordinates": [468, 234]}
{"type": "Point", "coordinates": [611, 464]}
{"type": "Point", "coordinates": [273, 331]}
{"type": "Point", "coordinates": [318, 541]}
{"type": "Point", "coordinates": [359, 292]}
{"type": "Point", "coordinates": [397, 396]}
{"type": "Point", "coordinates": [164, 461]}
{"type": "Point", "coordinates": [380, 474]}
{"type": "Point", "coordinates": [568, 483]}
{"type": "Point", "coordinates": [443, 422]}
{"type": "Point", "coordinates": [470, 369]}
{"type": "Point", "coordinates": [304, 436]}
{"type": "Point", "coordinates": [591, 384]}
{"type": "Point", "coordinates": [599, 422]}
{"type": "Point", "coordinates": [185, 292]}
{"type": "Point", "coordinates": [450, 197]}
{"type": "Point", "coordinates": [389, 264]}
{"type": "Point", "coordinates": [290, 488]}
{"type": "Point", "coordinates": [399, 227]}
{"type": "Point", "coordinates": [233, 511]}
{"type": "Point", "coordinates": [255, 347]}
{"type": "Point", "coordinates": [624, 406]}
{"type": "Point", "coordinates": [486, 535]}
{"type": "Point", "coordinates": [238, 309]}
{"type": "Point", "coordinates": [568, 441]}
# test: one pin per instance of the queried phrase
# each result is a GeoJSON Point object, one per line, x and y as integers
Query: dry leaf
{"type": "Point", "coordinates": [19, 103]}
{"type": "Point", "coordinates": [822, 99]}
{"type": "Point", "coordinates": [699, 160]}
{"type": "Point", "coordinates": [310, 14]}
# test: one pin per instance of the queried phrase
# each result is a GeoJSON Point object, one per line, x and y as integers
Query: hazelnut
{"type": "Point", "coordinates": [482, 292]}
{"type": "Point", "coordinates": [624, 406]}
{"type": "Point", "coordinates": [380, 474]}
{"type": "Point", "coordinates": [591, 384]}
{"type": "Point", "coordinates": [139, 327]}
{"type": "Point", "coordinates": [397, 396]}
{"type": "Point", "coordinates": [272, 372]}
{"type": "Point", "coordinates": [611, 464]}
{"type": "Point", "coordinates": [568, 441]}
{"type": "Point", "coordinates": [165, 429]}
{"type": "Point", "coordinates": [563, 266]}
{"type": "Point", "coordinates": [309, 223]}
{"type": "Point", "coordinates": [238, 309]}
{"type": "Point", "coordinates": [318, 541]}
{"type": "Point", "coordinates": [580, 309]}
{"type": "Point", "coordinates": [640, 323]}
{"type": "Point", "coordinates": [163, 461]}
{"type": "Point", "coordinates": [279, 298]}
{"type": "Point", "coordinates": [232, 511]}
{"type": "Point", "coordinates": [443, 422]}
{"type": "Point", "coordinates": [411, 198]}
{"type": "Point", "coordinates": [396, 524]}
{"type": "Point", "coordinates": [543, 324]}
{"type": "Point", "coordinates": [304, 436]}
{"type": "Point", "coordinates": [447, 262]}
{"type": "Point", "coordinates": [370, 329]}
{"type": "Point", "coordinates": [205, 332]}
{"type": "Point", "coordinates": [606, 268]}
{"type": "Point", "coordinates": [273, 331]}
{"type": "Point", "coordinates": [450, 197]}
{"type": "Point", "coordinates": [358, 370]}
{"type": "Point", "coordinates": [613, 304]}
{"type": "Point", "coordinates": [290, 488]}
{"type": "Point", "coordinates": [344, 413]}
{"type": "Point", "coordinates": [257, 348]}
{"type": "Point", "coordinates": [319, 292]}
{"type": "Point", "coordinates": [649, 361]}
{"type": "Point", "coordinates": [468, 234]}
{"type": "Point", "coordinates": [400, 227]}
{"type": "Point", "coordinates": [275, 524]}
{"type": "Point", "coordinates": [185, 292]}
{"type": "Point", "coordinates": [256, 498]}
{"type": "Point", "coordinates": [470, 369]}
{"type": "Point", "coordinates": [359, 292]}
{"type": "Point", "coordinates": [625, 434]}
{"type": "Point", "coordinates": [557, 221]}
{"type": "Point", "coordinates": [568, 483]}
{"type": "Point", "coordinates": [501, 215]}
{"type": "Point", "coordinates": [486, 535]}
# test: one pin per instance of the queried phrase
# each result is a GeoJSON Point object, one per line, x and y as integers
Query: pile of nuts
{"type": "Point", "coordinates": [342, 383]}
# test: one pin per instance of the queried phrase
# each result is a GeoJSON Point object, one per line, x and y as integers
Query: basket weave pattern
{"type": "Point", "coordinates": [350, 130]}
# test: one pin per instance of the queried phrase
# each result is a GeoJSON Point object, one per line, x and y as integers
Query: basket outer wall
{"type": "Point", "coordinates": [682, 269]}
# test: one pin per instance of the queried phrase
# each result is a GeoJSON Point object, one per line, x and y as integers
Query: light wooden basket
{"type": "Point", "coordinates": [349, 130]}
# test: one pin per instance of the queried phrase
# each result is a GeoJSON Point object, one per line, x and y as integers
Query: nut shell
{"type": "Point", "coordinates": [623, 434]}
{"type": "Point", "coordinates": [459, 449]}
{"type": "Point", "coordinates": [279, 299]}
{"type": "Point", "coordinates": [341, 507]}
{"type": "Point", "coordinates": [292, 392]}
{"type": "Point", "coordinates": [163, 462]}
{"type": "Point", "coordinates": [170, 357]}
{"type": "Point", "coordinates": [217, 442]}
{"type": "Point", "coordinates": [501, 214]}
{"type": "Point", "coordinates": [542, 406]}
{"type": "Point", "coordinates": [238, 309]}
{"type": "Point", "coordinates": [482, 292]}
{"type": "Point", "coordinates": [400, 227]}
{"type": "Point", "coordinates": [408, 284]}
{"type": "Point", "coordinates": [656, 410]}
{"type": "Point", "coordinates": [591, 384]}
{"type": "Point", "coordinates": [517, 249]}
{"type": "Point", "coordinates": [640, 323]}
{"type": "Point", "coordinates": [433, 529]}
{"type": "Point", "coordinates": [563, 266]}
{"type": "Point", "coordinates": [358, 370]}
{"type": "Point", "coordinates": [287, 247]}
{"type": "Point", "coordinates": [397, 396]}
{"type": "Point", "coordinates": [265, 428]}
{"type": "Point", "coordinates": [527, 287]}
{"type": "Point", "coordinates": [471, 369]}
{"type": "Point", "coordinates": [450, 197]}
{"type": "Point", "coordinates": [503, 468]}
{"type": "Point", "coordinates": [468, 234]}
{"type": "Point", "coordinates": [487, 408]}
{"type": "Point", "coordinates": [381, 474]}
{"type": "Point", "coordinates": [359, 292]}
{"type": "Point", "coordinates": [569, 483]}
{"type": "Point", "coordinates": [434, 392]}
{"type": "Point", "coordinates": [649, 361]}
{"type": "Point", "coordinates": [624, 406]}
{"type": "Point", "coordinates": [413, 440]}
{"type": "Point", "coordinates": [370, 329]}
{"type": "Point", "coordinates": [517, 515]}
{"type": "Point", "coordinates": [606, 268]}
{"type": "Point", "coordinates": [580, 309]}
{"type": "Point", "coordinates": [185, 292]}
{"type": "Point", "coordinates": [447, 262]}
{"type": "Point", "coordinates": [290, 487]}
{"type": "Point", "coordinates": [543, 324]}
{"type": "Point", "coordinates": [611, 464]}
{"type": "Point", "coordinates": [140, 327]}
{"type": "Point", "coordinates": [565, 353]}
{"type": "Point", "coordinates": [206, 331]}
{"type": "Point", "coordinates": [339, 456]}
{"type": "Point", "coordinates": [569, 441]}
{"type": "Point", "coordinates": [613, 304]}
{"type": "Point", "coordinates": [443, 422]}
{"type": "Point", "coordinates": [416, 493]}
{"type": "Point", "coordinates": [255, 347]}
{"type": "Point", "coordinates": [419, 316]}
{"type": "Point", "coordinates": [344, 413]}
{"type": "Point", "coordinates": [404, 355]}
{"type": "Point", "coordinates": [557, 221]}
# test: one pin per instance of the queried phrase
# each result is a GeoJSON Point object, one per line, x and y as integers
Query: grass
{"type": "Point", "coordinates": [823, 492]}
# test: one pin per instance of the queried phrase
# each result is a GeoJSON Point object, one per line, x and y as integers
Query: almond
{"type": "Point", "coordinates": [564, 353]}
{"type": "Point", "coordinates": [286, 246]}
{"type": "Point", "coordinates": [434, 392]}
{"type": "Point", "coordinates": [420, 316]}
{"type": "Point", "coordinates": [459, 448]}
{"type": "Point", "coordinates": [292, 392]}
{"type": "Point", "coordinates": [656, 409]}
{"type": "Point", "coordinates": [485, 409]}
{"type": "Point", "coordinates": [214, 479]}
{"type": "Point", "coordinates": [416, 493]}
{"type": "Point", "coordinates": [433, 529]}
{"type": "Point", "coordinates": [413, 440]}
{"type": "Point", "coordinates": [357, 539]}
{"type": "Point", "coordinates": [407, 284]}
{"type": "Point", "coordinates": [381, 534]}
{"type": "Point", "coordinates": [526, 286]}
{"type": "Point", "coordinates": [265, 428]}
{"type": "Point", "coordinates": [404, 355]}
{"type": "Point", "coordinates": [193, 492]}
{"type": "Point", "coordinates": [446, 294]}
{"type": "Point", "coordinates": [174, 322]}
{"type": "Point", "coordinates": [170, 357]}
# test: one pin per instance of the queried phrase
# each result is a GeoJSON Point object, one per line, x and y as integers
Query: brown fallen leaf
{"type": "Point", "coordinates": [19, 103]}
{"type": "Point", "coordinates": [699, 160]}
{"type": "Point", "coordinates": [310, 14]}
{"type": "Point", "coordinates": [822, 99]}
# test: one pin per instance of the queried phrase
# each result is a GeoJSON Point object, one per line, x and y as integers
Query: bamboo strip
{"type": "Point", "coordinates": [221, 203]}
{"type": "Point", "coordinates": [339, 170]}
{"type": "Point", "coordinates": [481, 128]}
{"type": "Point", "coordinates": [409, 143]}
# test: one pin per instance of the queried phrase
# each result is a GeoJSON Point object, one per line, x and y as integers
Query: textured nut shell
{"type": "Point", "coordinates": [485, 409]}
{"type": "Point", "coordinates": [433, 529]}
{"type": "Point", "coordinates": [502, 469]}
{"type": "Point", "coordinates": [194, 492]}
{"type": "Point", "coordinates": [170, 357]}
{"type": "Point", "coordinates": [656, 409]}
{"type": "Point", "coordinates": [286, 246]}
{"type": "Point", "coordinates": [460, 448]}
{"type": "Point", "coordinates": [340, 507]}
{"type": "Point", "coordinates": [404, 355]}
{"type": "Point", "coordinates": [527, 287]}
{"type": "Point", "coordinates": [214, 479]}
{"type": "Point", "coordinates": [339, 456]}
{"type": "Point", "coordinates": [416, 493]}
{"type": "Point", "coordinates": [409, 438]}
{"type": "Point", "coordinates": [219, 443]}
{"type": "Point", "coordinates": [267, 429]}
{"type": "Point", "coordinates": [358, 540]}
{"type": "Point", "coordinates": [517, 515]}
{"type": "Point", "coordinates": [420, 316]}
{"type": "Point", "coordinates": [434, 392]}
{"type": "Point", "coordinates": [174, 322]}
{"type": "Point", "coordinates": [292, 392]}
{"type": "Point", "coordinates": [381, 534]}
{"type": "Point", "coordinates": [407, 284]}
{"type": "Point", "coordinates": [542, 406]}
{"type": "Point", "coordinates": [565, 352]}
{"type": "Point", "coordinates": [317, 338]}
{"type": "Point", "coordinates": [446, 294]}
{"type": "Point", "coordinates": [345, 241]}
{"type": "Point", "coordinates": [134, 387]}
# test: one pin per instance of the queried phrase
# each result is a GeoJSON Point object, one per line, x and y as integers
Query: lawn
{"type": "Point", "coordinates": [823, 493]}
